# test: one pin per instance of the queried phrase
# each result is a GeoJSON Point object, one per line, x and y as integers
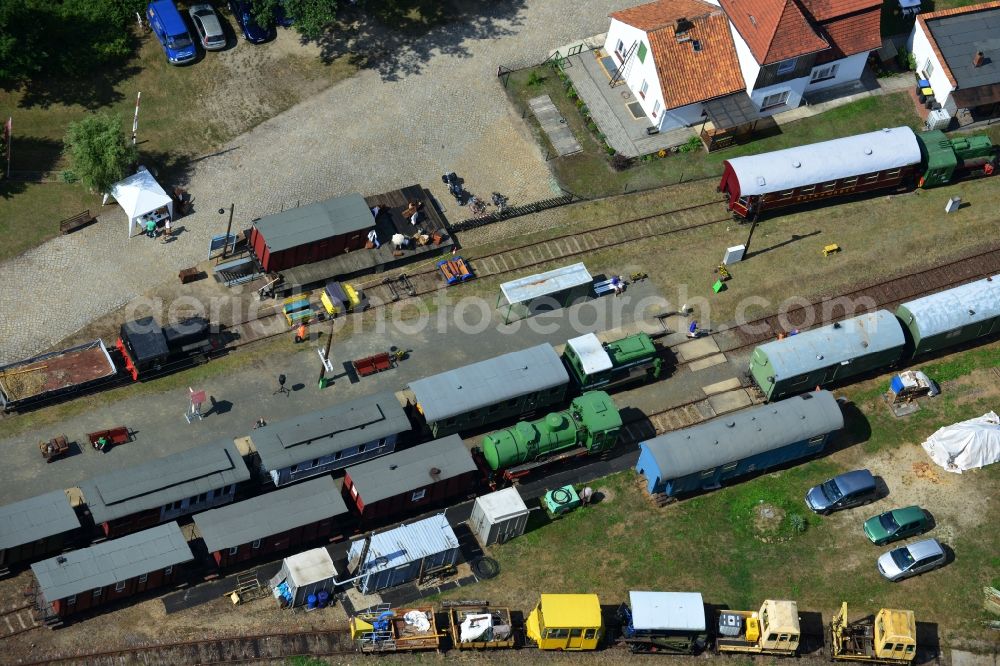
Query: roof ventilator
{"type": "Point", "coordinates": [796, 164]}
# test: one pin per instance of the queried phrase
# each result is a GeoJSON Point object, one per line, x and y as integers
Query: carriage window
{"type": "Point", "coordinates": [98, 592]}
{"type": "Point", "coordinates": [589, 634]}
{"type": "Point", "coordinates": [234, 550]}
{"type": "Point", "coordinates": [893, 173]}
{"type": "Point", "coordinates": [817, 439]}
{"type": "Point", "coordinates": [71, 601]}
{"type": "Point", "coordinates": [418, 495]}
{"type": "Point", "coordinates": [829, 186]}
{"type": "Point", "coordinates": [168, 571]}
{"type": "Point", "coordinates": [729, 467]}
{"type": "Point", "coordinates": [143, 578]}
{"type": "Point", "coordinates": [849, 182]}
{"type": "Point", "coordinates": [120, 586]}
{"type": "Point", "coordinates": [707, 473]}
{"type": "Point", "coordinates": [785, 195]}
{"type": "Point", "coordinates": [872, 178]}
{"type": "Point", "coordinates": [575, 633]}
{"type": "Point", "coordinates": [256, 544]}
{"type": "Point", "coordinates": [807, 190]}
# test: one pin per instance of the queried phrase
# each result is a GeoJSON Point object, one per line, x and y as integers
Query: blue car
{"type": "Point", "coordinates": [243, 14]}
{"type": "Point", "coordinates": [171, 31]}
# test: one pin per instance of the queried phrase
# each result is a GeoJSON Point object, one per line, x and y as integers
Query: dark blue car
{"type": "Point", "coordinates": [243, 14]}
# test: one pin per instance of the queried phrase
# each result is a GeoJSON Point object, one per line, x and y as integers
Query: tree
{"type": "Point", "coordinates": [99, 150]}
{"type": "Point", "coordinates": [310, 17]}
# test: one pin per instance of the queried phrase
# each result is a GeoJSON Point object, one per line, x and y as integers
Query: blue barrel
{"type": "Point", "coordinates": [311, 601]}
{"type": "Point", "coordinates": [323, 598]}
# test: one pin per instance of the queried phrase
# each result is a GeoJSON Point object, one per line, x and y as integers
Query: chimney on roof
{"type": "Point", "coordinates": [978, 59]}
{"type": "Point", "coordinates": [682, 26]}
{"type": "Point", "coordinates": [435, 473]}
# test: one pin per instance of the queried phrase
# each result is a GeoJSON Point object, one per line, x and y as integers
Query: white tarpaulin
{"type": "Point", "coordinates": [140, 194]}
{"type": "Point", "coordinates": [966, 445]}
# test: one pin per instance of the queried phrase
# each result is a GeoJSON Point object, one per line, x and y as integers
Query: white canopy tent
{"type": "Point", "coordinates": [966, 445]}
{"type": "Point", "coordinates": [139, 195]}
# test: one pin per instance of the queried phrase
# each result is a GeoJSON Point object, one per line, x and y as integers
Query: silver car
{"type": "Point", "coordinates": [911, 560]}
{"type": "Point", "coordinates": [209, 28]}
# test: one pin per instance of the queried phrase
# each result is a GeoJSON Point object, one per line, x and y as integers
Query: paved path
{"type": "Point", "coordinates": [554, 125]}
{"type": "Point", "coordinates": [364, 134]}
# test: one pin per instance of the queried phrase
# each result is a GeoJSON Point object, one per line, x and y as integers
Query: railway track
{"type": "Point", "coordinates": [886, 294]}
{"type": "Point", "coordinates": [230, 650]}
{"type": "Point", "coordinates": [17, 620]}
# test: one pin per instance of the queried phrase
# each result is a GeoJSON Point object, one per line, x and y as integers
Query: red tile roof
{"type": "Point", "coordinates": [923, 18]}
{"type": "Point", "coordinates": [856, 33]}
{"type": "Point", "coordinates": [821, 10]}
{"type": "Point", "coordinates": [688, 76]}
{"type": "Point", "coordinates": [775, 30]}
{"type": "Point", "coordinates": [659, 14]}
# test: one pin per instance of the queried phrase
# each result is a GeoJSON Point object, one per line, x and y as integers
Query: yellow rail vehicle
{"type": "Point", "coordinates": [566, 622]}
{"type": "Point", "coordinates": [890, 637]}
{"type": "Point", "coordinates": [774, 629]}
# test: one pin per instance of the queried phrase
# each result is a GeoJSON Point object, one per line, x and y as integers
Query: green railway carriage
{"type": "Point", "coordinates": [827, 354]}
{"type": "Point", "coordinates": [594, 365]}
{"type": "Point", "coordinates": [589, 426]}
{"type": "Point", "coordinates": [951, 317]}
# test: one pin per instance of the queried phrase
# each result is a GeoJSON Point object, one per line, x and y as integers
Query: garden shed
{"type": "Point", "coordinates": [498, 517]}
{"type": "Point", "coordinates": [308, 573]}
{"type": "Point", "coordinates": [400, 555]}
{"type": "Point", "coordinates": [542, 292]}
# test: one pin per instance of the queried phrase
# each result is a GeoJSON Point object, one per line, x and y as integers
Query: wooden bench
{"type": "Point", "coordinates": [112, 436]}
{"type": "Point", "coordinates": [455, 270]}
{"type": "Point", "coordinates": [830, 249]}
{"type": "Point", "coordinates": [372, 364]}
{"type": "Point", "coordinates": [75, 222]}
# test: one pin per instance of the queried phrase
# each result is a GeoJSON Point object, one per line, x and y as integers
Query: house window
{"type": "Point", "coordinates": [71, 601]}
{"type": "Point", "coordinates": [256, 544]}
{"type": "Point", "coordinates": [143, 578]}
{"type": "Point", "coordinates": [656, 108]}
{"type": "Point", "coordinates": [234, 550]}
{"type": "Point", "coordinates": [643, 88]}
{"type": "Point", "coordinates": [98, 592]}
{"type": "Point", "coordinates": [774, 99]}
{"type": "Point", "coordinates": [786, 66]}
{"type": "Point", "coordinates": [642, 52]}
{"type": "Point", "coordinates": [928, 69]}
{"type": "Point", "coordinates": [120, 586]}
{"type": "Point", "coordinates": [418, 495]}
{"type": "Point", "coordinates": [620, 48]}
{"type": "Point", "coordinates": [824, 73]}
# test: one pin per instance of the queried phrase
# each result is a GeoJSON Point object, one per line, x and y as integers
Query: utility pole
{"type": "Point", "coordinates": [135, 119]}
{"type": "Point", "coordinates": [746, 246]}
{"type": "Point", "coordinates": [229, 228]}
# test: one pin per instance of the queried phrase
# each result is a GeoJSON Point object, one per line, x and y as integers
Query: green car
{"type": "Point", "coordinates": [896, 524]}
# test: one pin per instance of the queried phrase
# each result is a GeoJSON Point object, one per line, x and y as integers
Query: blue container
{"type": "Point", "coordinates": [323, 598]}
{"type": "Point", "coordinates": [897, 384]}
{"type": "Point", "coordinates": [311, 601]}
{"type": "Point", "coordinates": [923, 83]}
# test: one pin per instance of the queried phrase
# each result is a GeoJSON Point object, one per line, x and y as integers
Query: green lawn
{"type": "Point", "coordinates": [589, 173]}
{"type": "Point", "coordinates": [185, 112]}
{"type": "Point", "coordinates": [723, 544]}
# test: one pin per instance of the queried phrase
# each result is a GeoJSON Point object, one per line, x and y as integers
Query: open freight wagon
{"type": "Point", "coordinates": [55, 374]}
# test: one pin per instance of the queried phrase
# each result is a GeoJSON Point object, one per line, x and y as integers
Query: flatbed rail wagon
{"type": "Point", "coordinates": [48, 376]}
{"type": "Point", "coordinates": [479, 626]}
{"type": "Point", "coordinates": [386, 629]}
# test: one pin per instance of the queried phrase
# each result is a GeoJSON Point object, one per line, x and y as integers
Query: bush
{"type": "Point", "coordinates": [608, 149]}
{"type": "Point", "coordinates": [693, 144]}
{"type": "Point", "coordinates": [571, 92]}
{"type": "Point", "coordinates": [534, 80]}
{"type": "Point", "coordinates": [797, 522]}
{"type": "Point", "coordinates": [67, 176]}
{"type": "Point", "coordinates": [620, 162]}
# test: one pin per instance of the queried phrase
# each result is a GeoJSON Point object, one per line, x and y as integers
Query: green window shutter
{"type": "Point", "coordinates": [642, 52]}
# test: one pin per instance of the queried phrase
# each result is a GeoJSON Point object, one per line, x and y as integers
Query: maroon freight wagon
{"type": "Point", "coordinates": [274, 522]}
{"type": "Point", "coordinates": [109, 571]}
{"type": "Point", "coordinates": [311, 233]}
{"type": "Point", "coordinates": [399, 483]}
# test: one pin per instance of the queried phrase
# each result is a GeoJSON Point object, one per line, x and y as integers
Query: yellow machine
{"type": "Point", "coordinates": [888, 638]}
{"type": "Point", "coordinates": [566, 622]}
{"type": "Point", "coordinates": [774, 629]}
{"type": "Point", "coordinates": [340, 298]}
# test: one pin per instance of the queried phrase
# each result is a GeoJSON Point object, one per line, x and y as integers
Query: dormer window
{"type": "Point", "coordinates": [786, 66]}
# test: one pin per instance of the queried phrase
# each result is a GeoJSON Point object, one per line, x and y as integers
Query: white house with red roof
{"type": "Point", "coordinates": [675, 55]}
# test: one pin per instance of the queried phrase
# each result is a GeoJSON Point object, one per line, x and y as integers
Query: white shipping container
{"type": "Point", "coordinates": [498, 517]}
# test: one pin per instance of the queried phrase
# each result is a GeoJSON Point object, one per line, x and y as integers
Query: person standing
{"type": "Point", "coordinates": [166, 230]}
{"type": "Point", "coordinates": [151, 228]}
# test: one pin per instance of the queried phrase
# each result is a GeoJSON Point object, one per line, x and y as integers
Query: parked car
{"type": "Point", "coordinates": [842, 492]}
{"type": "Point", "coordinates": [208, 26]}
{"type": "Point", "coordinates": [168, 26]}
{"type": "Point", "coordinates": [252, 31]}
{"type": "Point", "coordinates": [911, 560]}
{"type": "Point", "coordinates": [896, 524]}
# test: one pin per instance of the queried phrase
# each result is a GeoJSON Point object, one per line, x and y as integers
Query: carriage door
{"type": "Point", "coordinates": [575, 639]}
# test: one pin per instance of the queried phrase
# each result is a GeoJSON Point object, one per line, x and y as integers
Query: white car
{"type": "Point", "coordinates": [911, 560]}
{"type": "Point", "coordinates": [208, 26]}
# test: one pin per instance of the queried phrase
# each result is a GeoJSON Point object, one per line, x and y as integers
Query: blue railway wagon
{"type": "Point", "coordinates": [951, 317]}
{"type": "Point", "coordinates": [705, 456]}
{"type": "Point", "coordinates": [827, 354]}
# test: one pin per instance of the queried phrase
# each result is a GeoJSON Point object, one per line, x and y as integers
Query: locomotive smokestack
{"type": "Point", "coordinates": [978, 59]}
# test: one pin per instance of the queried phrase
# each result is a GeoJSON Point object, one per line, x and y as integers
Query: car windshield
{"type": "Point", "coordinates": [888, 523]}
{"type": "Point", "coordinates": [178, 41]}
{"type": "Point", "coordinates": [831, 490]}
{"type": "Point", "coordinates": [902, 558]}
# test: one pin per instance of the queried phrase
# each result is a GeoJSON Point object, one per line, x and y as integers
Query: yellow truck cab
{"type": "Point", "coordinates": [566, 622]}
{"type": "Point", "coordinates": [774, 629]}
{"type": "Point", "coordinates": [890, 637]}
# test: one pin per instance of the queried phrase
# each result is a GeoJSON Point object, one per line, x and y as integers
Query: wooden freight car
{"type": "Point", "coordinates": [35, 527]}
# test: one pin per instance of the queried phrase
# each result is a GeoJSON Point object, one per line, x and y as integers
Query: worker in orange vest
{"type": "Point", "coordinates": [301, 333]}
